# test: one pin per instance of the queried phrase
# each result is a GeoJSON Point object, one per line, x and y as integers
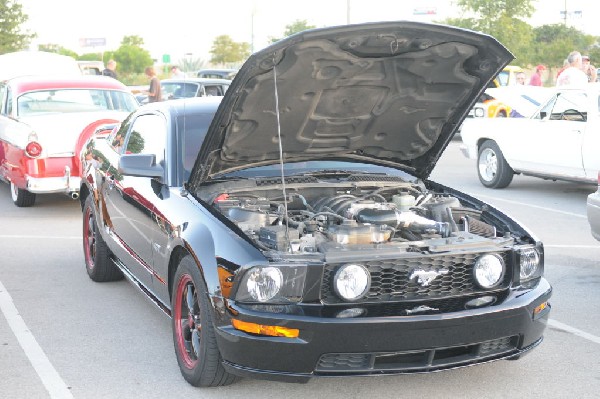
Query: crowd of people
{"type": "Point", "coordinates": [577, 69]}
{"type": "Point", "coordinates": [154, 89]}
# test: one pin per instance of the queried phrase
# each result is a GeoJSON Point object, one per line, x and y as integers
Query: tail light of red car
{"type": "Point", "coordinates": [33, 149]}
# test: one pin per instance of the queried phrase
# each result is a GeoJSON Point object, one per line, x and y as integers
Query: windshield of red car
{"type": "Point", "coordinates": [74, 100]}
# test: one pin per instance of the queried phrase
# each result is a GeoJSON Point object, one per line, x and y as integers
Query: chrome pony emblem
{"type": "Point", "coordinates": [426, 277]}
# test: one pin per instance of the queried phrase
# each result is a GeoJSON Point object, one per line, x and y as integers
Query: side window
{"type": "Point", "coordinates": [3, 90]}
{"type": "Point", "coordinates": [117, 137]}
{"type": "Point", "coordinates": [213, 90]}
{"type": "Point", "coordinates": [196, 127]}
{"type": "Point", "coordinates": [570, 105]}
{"type": "Point", "coordinates": [147, 136]}
{"type": "Point", "coordinates": [8, 105]}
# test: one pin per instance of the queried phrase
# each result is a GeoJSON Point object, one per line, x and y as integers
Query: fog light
{"type": "Point", "coordinates": [480, 302]}
{"type": "Point", "coordinates": [349, 313]}
{"type": "Point", "coordinates": [351, 282]}
{"type": "Point", "coordinates": [488, 270]}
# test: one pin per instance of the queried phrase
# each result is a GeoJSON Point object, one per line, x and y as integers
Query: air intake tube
{"type": "Point", "coordinates": [403, 220]}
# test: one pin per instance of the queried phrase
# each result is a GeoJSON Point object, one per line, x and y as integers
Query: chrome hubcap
{"type": "Point", "coordinates": [488, 164]}
{"type": "Point", "coordinates": [14, 191]}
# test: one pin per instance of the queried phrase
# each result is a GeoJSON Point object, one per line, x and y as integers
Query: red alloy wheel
{"type": "Point", "coordinates": [187, 321]}
{"type": "Point", "coordinates": [89, 239]}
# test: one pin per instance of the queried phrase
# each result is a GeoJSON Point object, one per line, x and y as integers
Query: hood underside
{"type": "Point", "coordinates": [389, 93]}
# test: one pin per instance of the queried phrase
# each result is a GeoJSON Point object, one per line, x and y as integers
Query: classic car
{"type": "Point", "coordinates": [228, 74]}
{"type": "Point", "coordinates": [289, 228]}
{"type": "Point", "coordinates": [43, 124]}
{"type": "Point", "coordinates": [508, 76]}
{"type": "Point", "coordinates": [173, 89]}
{"type": "Point", "coordinates": [554, 136]}
{"type": "Point", "coordinates": [22, 63]}
{"type": "Point", "coordinates": [91, 67]}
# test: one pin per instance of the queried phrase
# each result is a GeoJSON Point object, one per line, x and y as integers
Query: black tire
{"type": "Point", "coordinates": [97, 256]}
{"type": "Point", "coordinates": [492, 168]}
{"type": "Point", "coordinates": [21, 198]}
{"type": "Point", "coordinates": [194, 337]}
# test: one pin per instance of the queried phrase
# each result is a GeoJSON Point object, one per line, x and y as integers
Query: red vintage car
{"type": "Point", "coordinates": [44, 121]}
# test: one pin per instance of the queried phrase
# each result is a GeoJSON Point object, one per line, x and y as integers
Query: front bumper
{"type": "Point", "coordinates": [593, 214]}
{"type": "Point", "coordinates": [385, 345]}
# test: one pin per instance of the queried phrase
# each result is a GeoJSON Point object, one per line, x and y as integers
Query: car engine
{"type": "Point", "coordinates": [313, 219]}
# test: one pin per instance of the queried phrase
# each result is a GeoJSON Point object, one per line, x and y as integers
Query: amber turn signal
{"type": "Point", "coordinates": [539, 308]}
{"type": "Point", "coordinates": [273, 331]}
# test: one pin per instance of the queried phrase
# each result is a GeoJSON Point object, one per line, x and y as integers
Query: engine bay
{"type": "Point", "coordinates": [322, 218]}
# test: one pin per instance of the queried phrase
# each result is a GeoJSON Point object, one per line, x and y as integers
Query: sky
{"type": "Point", "coordinates": [187, 28]}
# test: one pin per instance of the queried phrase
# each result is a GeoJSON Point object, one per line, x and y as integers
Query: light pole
{"type": "Point", "coordinates": [347, 12]}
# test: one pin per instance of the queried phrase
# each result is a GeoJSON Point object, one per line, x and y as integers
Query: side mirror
{"type": "Point", "coordinates": [141, 165]}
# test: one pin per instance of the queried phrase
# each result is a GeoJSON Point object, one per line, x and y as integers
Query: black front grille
{"type": "Point", "coordinates": [402, 279]}
{"type": "Point", "coordinates": [416, 361]}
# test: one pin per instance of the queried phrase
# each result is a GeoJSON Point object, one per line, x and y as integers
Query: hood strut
{"type": "Point", "coordinates": [285, 200]}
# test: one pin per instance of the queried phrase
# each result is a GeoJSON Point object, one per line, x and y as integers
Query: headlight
{"type": "Point", "coordinates": [530, 263]}
{"type": "Point", "coordinates": [351, 282]}
{"type": "Point", "coordinates": [479, 112]}
{"type": "Point", "coordinates": [273, 284]}
{"type": "Point", "coordinates": [489, 270]}
{"type": "Point", "coordinates": [264, 283]}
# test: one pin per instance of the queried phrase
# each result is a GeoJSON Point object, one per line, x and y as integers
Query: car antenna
{"type": "Point", "coordinates": [287, 234]}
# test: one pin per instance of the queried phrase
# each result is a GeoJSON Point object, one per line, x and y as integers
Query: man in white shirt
{"type": "Point", "coordinates": [574, 74]}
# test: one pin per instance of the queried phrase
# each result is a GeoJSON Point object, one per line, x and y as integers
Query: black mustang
{"type": "Point", "coordinates": [289, 228]}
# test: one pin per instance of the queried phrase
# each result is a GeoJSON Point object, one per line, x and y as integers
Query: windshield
{"type": "Point", "coordinates": [74, 100]}
{"type": "Point", "coordinates": [172, 90]}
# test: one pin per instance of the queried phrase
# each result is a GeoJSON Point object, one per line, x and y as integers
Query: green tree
{"type": "Point", "coordinates": [90, 57]}
{"type": "Point", "coordinates": [11, 18]}
{"type": "Point", "coordinates": [298, 25]}
{"type": "Point", "coordinates": [191, 64]}
{"type": "Point", "coordinates": [55, 48]}
{"type": "Point", "coordinates": [225, 51]}
{"type": "Point", "coordinates": [556, 41]}
{"type": "Point", "coordinates": [131, 57]}
{"type": "Point", "coordinates": [133, 40]}
{"type": "Point", "coordinates": [502, 19]}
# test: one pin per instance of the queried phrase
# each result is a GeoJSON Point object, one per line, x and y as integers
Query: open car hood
{"type": "Point", "coordinates": [386, 93]}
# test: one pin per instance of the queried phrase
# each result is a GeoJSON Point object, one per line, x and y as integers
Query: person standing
{"type": "Point", "coordinates": [588, 68]}
{"type": "Point", "coordinates": [574, 74]}
{"type": "Point", "coordinates": [154, 92]}
{"type": "Point", "coordinates": [177, 73]}
{"type": "Point", "coordinates": [110, 69]}
{"type": "Point", "coordinates": [521, 78]}
{"type": "Point", "coordinates": [536, 78]}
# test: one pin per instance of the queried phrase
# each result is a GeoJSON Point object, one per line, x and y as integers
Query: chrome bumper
{"type": "Point", "coordinates": [64, 184]}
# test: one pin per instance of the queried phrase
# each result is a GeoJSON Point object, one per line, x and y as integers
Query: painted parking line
{"type": "Point", "coordinates": [572, 246]}
{"type": "Point", "coordinates": [491, 198]}
{"type": "Point", "coordinates": [54, 384]}
{"type": "Point", "coordinates": [572, 330]}
{"type": "Point", "coordinates": [41, 237]}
